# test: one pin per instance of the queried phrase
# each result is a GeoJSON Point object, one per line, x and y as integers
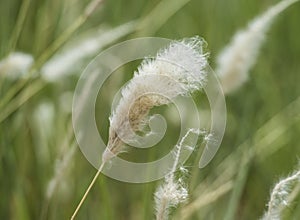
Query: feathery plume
{"type": "Point", "coordinates": [173, 191]}
{"type": "Point", "coordinates": [280, 196]}
{"type": "Point", "coordinates": [235, 61]}
{"type": "Point", "coordinates": [176, 70]}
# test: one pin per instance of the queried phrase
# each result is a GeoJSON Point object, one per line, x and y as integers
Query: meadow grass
{"type": "Point", "coordinates": [43, 174]}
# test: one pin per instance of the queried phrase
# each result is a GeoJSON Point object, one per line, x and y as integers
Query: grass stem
{"type": "Point", "coordinates": [87, 191]}
{"type": "Point", "coordinates": [19, 25]}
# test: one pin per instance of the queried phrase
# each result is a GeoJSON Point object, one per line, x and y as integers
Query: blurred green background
{"type": "Point", "coordinates": [261, 143]}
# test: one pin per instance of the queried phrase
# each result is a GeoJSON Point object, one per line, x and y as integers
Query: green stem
{"type": "Point", "coordinates": [90, 8]}
{"type": "Point", "coordinates": [239, 186]}
{"type": "Point", "coordinates": [21, 99]}
{"type": "Point", "coordinates": [19, 25]}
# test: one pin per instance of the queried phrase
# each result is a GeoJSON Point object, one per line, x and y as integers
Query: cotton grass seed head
{"type": "Point", "coordinates": [177, 70]}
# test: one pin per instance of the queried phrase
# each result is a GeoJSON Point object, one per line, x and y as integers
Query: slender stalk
{"type": "Point", "coordinates": [33, 89]}
{"type": "Point", "coordinates": [88, 190]}
{"type": "Point", "coordinates": [13, 91]}
{"type": "Point", "coordinates": [19, 25]}
{"type": "Point", "coordinates": [159, 16]}
{"type": "Point", "coordinates": [239, 186]}
{"type": "Point", "coordinates": [90, 8]}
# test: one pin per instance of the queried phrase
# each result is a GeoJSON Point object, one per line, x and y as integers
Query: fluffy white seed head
{"type": "Point", "coordinates": [169, 195]}
{"type": "Point", "coordinates": [176, 70]}
{"type": "Point", "coordinates": [173, 191]}
{"type": "Point", "coordinates": [235, 61]}
{"type": "Point", "coordinates": [16, 65]}
{"type": "Point", "coordinates": [69, 60]}
{"type": "Point", "coordinates": [280, 196]}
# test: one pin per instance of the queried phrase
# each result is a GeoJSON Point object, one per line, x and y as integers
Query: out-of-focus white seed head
{"type": "Point", "coordinates": [70, 60]}
{"type": "Point", "coordinates": [16, 65]}
{"type": "Point", "coordinates": [235, 61]}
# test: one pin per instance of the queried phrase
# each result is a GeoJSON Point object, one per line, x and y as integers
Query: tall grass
{"type": "Point", "coordinates": [43, 176]}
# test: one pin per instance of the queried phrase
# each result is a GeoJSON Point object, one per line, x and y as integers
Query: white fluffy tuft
{"type": "Point", "coordinates": [235, 61]}
{"type": "Point", "coordinates": [173, 191]}
{"type": "Point", "coordinates": [177, 70]}
{"type": "Point", "coordinates": [16, 65]}
{"type": "Point", "coordinates": [183, 61]}
{"type": "Point", "coordinates": [280, 196]}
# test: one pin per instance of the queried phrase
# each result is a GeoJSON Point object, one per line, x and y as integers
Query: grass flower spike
{"type": "Point", "coordinates": [176, 70]}
{"type": "Point", "coordinates": [172, 192]}
{"type": "Point", "coordinates": [235, 61]}
{"type": "Point", "coordinates": [280, 196]}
